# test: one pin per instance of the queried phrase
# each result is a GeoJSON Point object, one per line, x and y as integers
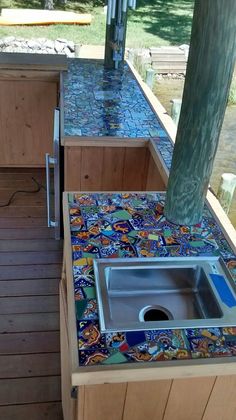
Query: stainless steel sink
{"type": "Point", "coordinates": [155, 293]}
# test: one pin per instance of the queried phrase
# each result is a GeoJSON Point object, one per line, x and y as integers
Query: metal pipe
{"type": "Point", "coordinates": [124, 6]}
{"type": "Point", "coordinates": [113, 9]}
{"type": "Point", "coordinates": [119, 12]}
{"type": "Point", "coordinates": [109, 7]}
{"type": "Point", "coordinates": [47, 162]}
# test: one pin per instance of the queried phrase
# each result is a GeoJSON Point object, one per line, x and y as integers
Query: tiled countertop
{"type": "Point", "coordinates": [100, 102]}
{"type": "Point", "coordinates": [130, 225]}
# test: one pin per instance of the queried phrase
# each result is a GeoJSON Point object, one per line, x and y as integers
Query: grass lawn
{"type": "Point", "coordinates": [153, 23]}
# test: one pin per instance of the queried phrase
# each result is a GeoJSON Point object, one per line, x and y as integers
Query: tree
{"type": "Point", "coordinates": [48, 4]}
{"type": "Point", "coordinates": [209, 73]}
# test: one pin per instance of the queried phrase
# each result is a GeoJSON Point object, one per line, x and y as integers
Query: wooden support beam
{"type": "Point", "coordinates": [209, 73]}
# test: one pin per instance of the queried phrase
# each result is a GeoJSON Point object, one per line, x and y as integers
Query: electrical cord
{"type": "Point", "coordinates": [39, 187]}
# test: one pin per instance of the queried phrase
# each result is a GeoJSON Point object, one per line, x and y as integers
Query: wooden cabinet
{"type": "Point", "coordinates": [89, 168]}
{"type": "Point", "coordinates": [196, 398]}
{"type": "Point", "coordinates": [27, 103]}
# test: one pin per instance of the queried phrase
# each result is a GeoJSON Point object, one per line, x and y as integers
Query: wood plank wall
{"type": "Point", "coordinates": [205, 398]}
{"type": "Point", "coordinates": [26, 121]}
{"type": "Point", "coordinates": [110, 169]}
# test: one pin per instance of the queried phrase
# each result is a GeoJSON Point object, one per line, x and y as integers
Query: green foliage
{"type": "Point", "coordinates": [232, 93]}
{"type": "Point", "coordinates": [153, 23]}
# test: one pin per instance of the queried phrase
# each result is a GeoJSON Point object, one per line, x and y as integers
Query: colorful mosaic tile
{"type": "Point", "coordinates": [102, 102]}
{"type": "Point", "coordinates": [130, 225]}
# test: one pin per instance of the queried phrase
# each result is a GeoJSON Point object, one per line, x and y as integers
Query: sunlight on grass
{"type": "Point", "coordinates": [154, 23]}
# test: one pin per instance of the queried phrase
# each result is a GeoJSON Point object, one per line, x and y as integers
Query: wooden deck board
{"type": "Point", "coordinates": [10, 323]}
{"type": "Point", "coordinates": [29, 365]}
{"type": "Point", "coordinates": [31, 263]}
{"type": "Point", "coordinates": [30, 342]}
{"type": "Point", "coordinates": [29, 390]}
{"type": "Point", "coordinates": [48, 410]}
{"type": "Point", "coordinates": [30, 258]}
{"type": "Point", "coordinates": [29, 245]}
{"type": "Point", "coordinates": [28, 304]}
{"type": "Point", "coordinates": [29, 287]}
{"type": "Point", "coordinates": [30, 272]}
{"type": "Point", "coordinates": [22, 223]}
{"type": "Point", "coordinates": [29, 233]}
{"type": "Point", "coordinates": [27, 213]}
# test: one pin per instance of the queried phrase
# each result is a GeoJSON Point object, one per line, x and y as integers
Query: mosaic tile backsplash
{"type": "Point", "coordinates": [130, 225]}
{"type": "Point", "coordinates": [101, 102]}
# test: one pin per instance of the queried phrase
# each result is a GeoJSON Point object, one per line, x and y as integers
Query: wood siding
{"type": "Point", "coordinates": [110, 169]}
{"type": "Point", "coordinates": [26, 121]}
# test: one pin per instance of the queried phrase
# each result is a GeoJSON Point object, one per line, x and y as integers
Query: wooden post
{"type": "Point", "coordinates": [226, 190]}
{"type": "Point", "coordinates": [175, 110]}
{"type": "Point", "coordinates": [150, 77]}
{"type": "Point", "coordinates": [209, 73]}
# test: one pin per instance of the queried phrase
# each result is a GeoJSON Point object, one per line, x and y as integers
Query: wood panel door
{"type": "Point", "coordinates": [26, 121]}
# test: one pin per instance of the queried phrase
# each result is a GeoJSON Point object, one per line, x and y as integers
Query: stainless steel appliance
{"type": "Point", "coordinates": [54, 180]}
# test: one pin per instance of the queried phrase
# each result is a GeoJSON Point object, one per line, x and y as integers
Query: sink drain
{"type": "Point", "coordinates": [154, 313]}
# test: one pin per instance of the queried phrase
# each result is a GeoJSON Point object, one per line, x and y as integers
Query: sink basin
{"type": "Point", "coordinates": [156, 293]}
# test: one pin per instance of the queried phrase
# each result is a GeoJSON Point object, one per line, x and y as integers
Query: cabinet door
{"type": "Point", "coordinates": [26, 121]}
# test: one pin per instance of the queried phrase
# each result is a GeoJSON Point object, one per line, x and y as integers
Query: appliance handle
{"type": "Point", "coordinates": [49, 160]}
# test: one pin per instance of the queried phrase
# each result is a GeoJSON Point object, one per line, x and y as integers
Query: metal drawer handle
{"type": "Point", "coordinates": [49, 161]}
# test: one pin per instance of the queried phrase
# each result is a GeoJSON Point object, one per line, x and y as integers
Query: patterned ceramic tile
{"type": "Point", "coordinates": [129, 225]}
{"type": "Point", "coordinates": [101, 102]}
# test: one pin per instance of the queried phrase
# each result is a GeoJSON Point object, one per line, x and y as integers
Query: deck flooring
{"type": "Point", "coordinates": [30, 269]}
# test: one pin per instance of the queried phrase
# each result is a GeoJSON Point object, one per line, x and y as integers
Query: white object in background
{"type": "Point", "coordinates": [150, 77]}
{"type": "Point", "coordinates": [130, 3]}
{"type": "Point", "coordinates": [226, 190]}
{"type": "Point", "coordinates": [134, 5]}
{"type": "Point", "coordinates": [175, 109]}
{"type": "Point", "coordinates": [109, 6]}
{"type": "Point", "coordinates": [105, 10]}
{"type": "Point", "coordinates": [185, 48]}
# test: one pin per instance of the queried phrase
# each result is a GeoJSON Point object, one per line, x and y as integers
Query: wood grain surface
{"type": "Point", "coordinates": [26, 121]}
{"type": "Point", "coordinates": [29, 304]}
{"type": "Point", "coordinates": [208, 77]}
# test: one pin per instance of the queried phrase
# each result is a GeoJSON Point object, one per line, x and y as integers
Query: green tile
{"type": "Point", "coordinates": [70, 198]}
{"type": "Point", "coordinates": [90, 292]}
{"type": "Point", "coordinates": [115, 359]}
{"type": "Point", "coordinates": [167, 233]}
{"type": "Point", "coordinates": [196, 244]}
{"type": "Point", "coordinates": [137, 202]}
{"type": "Point", "coordinates": [122, 215]}
{"type": "Point", "coordinates": [88, 255]}
{"type": "Point", "coordinates": [133, 233]}
{"type": "Point", "coordinates": [80, 305]}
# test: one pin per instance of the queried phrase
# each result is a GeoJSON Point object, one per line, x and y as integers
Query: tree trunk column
{"type": "Point", "coordinates": [209, 73]}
